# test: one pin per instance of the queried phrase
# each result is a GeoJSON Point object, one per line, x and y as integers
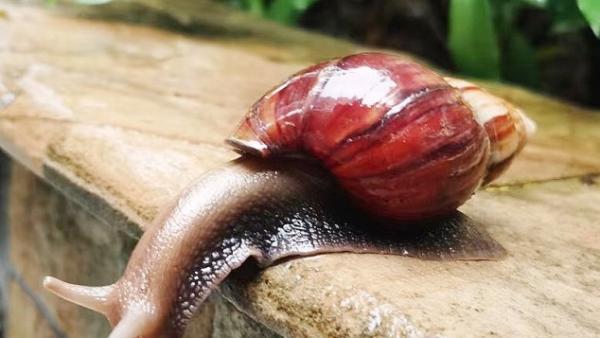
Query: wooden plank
{"type": "Point", "coordinates": [122, 117]}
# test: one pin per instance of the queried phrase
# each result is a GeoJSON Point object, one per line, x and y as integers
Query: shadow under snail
{"type": "Point", "coordinates": [369, 153]}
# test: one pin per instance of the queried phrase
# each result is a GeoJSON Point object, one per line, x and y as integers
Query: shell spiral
{"type": "Point", "coordinates": [403, 141]}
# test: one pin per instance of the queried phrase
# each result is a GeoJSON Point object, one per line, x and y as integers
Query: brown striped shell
{"type": "Point", "coordinates": [403, 141]}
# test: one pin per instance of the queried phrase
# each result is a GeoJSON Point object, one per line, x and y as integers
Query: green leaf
{"type": "Point", "coordinates": [504, 14]}
{"type": "Point", "coordinates": [288, 11]}
{"type": "Point", "coordinates": [591, 12]}
{"type": "Point", "coordinates": [566, 16]}
{"type": "Point", "coordinates": [519, 63]}
{"type": "Point", "coordinates": [256, 7]}
{"type": "Point", "coordinates": [472, 39]}
{"type": "Point", "coordinates": [536, 3]}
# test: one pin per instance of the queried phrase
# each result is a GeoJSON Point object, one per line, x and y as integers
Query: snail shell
{"type": "Point", "coordinates": [403, 141]}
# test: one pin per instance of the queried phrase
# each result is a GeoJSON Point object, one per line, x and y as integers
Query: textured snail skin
{"type": "Point", "coordinates": [269, 207]}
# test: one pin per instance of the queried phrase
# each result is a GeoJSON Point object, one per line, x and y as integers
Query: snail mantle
{"type": "Point", "coordinates": [87, 115]}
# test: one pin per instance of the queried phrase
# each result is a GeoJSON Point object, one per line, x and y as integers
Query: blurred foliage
{"type": "Point", "coordinates": [591, 11]}
{"type": "Point", "coordinates": [483, 39]}
{"type": "Point", "coordinates": [485, 42]}
{"type": "Point", "coordinates": [472, 38]}
{"type": "Point", "coordinates": [283, 11]}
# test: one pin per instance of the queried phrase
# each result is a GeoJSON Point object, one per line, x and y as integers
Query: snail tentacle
{"type": "Point", "coordinates": [93, 298]}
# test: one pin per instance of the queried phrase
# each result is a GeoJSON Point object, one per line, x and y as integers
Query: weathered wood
{"type": "Point", "coordinates": [216, 20]}
{"type": "Point", "coordinates": [121, 118]}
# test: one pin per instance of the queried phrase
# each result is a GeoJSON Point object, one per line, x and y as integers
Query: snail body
{"type": "Point", "coordinates": [399, 141]}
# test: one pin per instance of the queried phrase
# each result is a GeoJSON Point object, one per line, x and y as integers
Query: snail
{"type": "Point", "coordinates": [369, 153]}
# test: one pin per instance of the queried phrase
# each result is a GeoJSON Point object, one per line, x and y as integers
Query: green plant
{"type": "Point", "coordinates": [472, 38]}
{"type": "Point", "coordinates": [484, 41]}
{"type": "Point", "coordinates": [283, 11]}
{"type": "Point", "coordinates": [591, 11]}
